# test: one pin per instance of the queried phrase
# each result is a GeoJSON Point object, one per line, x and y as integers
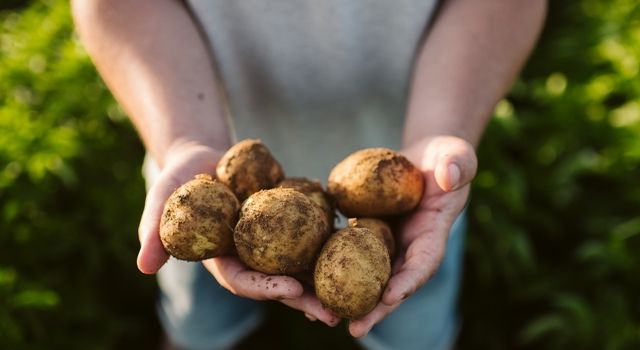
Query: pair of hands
{"type": "Point", "coordinates": [448, 164]}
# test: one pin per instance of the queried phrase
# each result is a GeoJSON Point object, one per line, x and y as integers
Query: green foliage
{"type": "Point", "coordinates": [551, 254]}
{"type": "Point", "coordinates": [552, 251]}
{"type": "Point", "coordinates": [70, 194]}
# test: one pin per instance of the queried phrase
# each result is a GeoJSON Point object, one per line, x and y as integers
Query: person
{"type": "Point", "coordinates": [315, 81]}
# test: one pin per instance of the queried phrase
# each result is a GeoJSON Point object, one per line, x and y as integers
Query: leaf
{"type": "Point", "coordinates": [542, 327]}
{"type": "Point", "coordinates": [36, 298]}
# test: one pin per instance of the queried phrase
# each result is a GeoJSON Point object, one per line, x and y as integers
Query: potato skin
{"type": "Point", "coordinates": [380, 229]}
{"type": "Point", "coordinates": [280, 231]}
{"type": "Point", "coordinates": [198, 218]}
{"type": "Point", "coordinates": [351, 272]}
{"type": "Point", "coordinates": [249, 167]}
{"type": "Point", "coordinates": [376, 182]}
{"type": "Point", "coordinates": [312, 189]}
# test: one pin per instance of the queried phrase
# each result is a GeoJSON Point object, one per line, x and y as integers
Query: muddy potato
{"type": "Point", "coordinates": [313, 190]}
{"type": "Point", "coordinates": [375, 182]}
{"type": "Point", "coordinates": [280, 231]}
{"type": "Point", "coordinates": [198, 219]}
{"type": "Point", "coordinates": [248, 167]}
{"type": "Point", "coordinates": [351, 272]}
{"type": "Point", "coordinates": [379, 228]}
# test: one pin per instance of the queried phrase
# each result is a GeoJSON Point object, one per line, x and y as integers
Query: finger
{"type": "Point", "coordinates": [421, 261]}
{"type": "Point", "coordinates": [456, 163]}
{"type": "Point", "coordinates": [152, 254]}
{"type": "Point", "coordinates": [361, 327]}
{"type": "Point", "coordinates": [312, 308]}
{"type": "Point", "coordinates": [236, 278]}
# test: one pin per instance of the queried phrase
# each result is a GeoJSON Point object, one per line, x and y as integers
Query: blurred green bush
{"type": "Point", "coordinates": [552, 258]}
{"type": "Point", "coordinates": [553, 247]}
{"type": "Point", "coordinates": [70, 196]}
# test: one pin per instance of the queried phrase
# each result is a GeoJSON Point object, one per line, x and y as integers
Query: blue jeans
{"type": "Point", "coordinates": [197, 313]}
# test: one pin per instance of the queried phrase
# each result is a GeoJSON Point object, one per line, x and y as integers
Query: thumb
{"type": "Point", "coordinates": [456, 163]}
{"type": "Point", "coordinates": [152, 254]}
{"type": "Point", "coordinates": [181, 166]}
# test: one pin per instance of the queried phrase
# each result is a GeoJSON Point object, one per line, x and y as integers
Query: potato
{"type": "Point", "coordinates": [375, 182]}
{"type": "Point", "coordinates": [351, 272]}
{"type": "Point", "coordinates": [280, 231]}
{"type": "Point", "coordinates": [198, 219]}
{"type": "Point", "coordinates": [380, 229]}
{"type": "Point", "coordinates": [313, 190]}
{"type": "Point", "coordinates": [248, 167]}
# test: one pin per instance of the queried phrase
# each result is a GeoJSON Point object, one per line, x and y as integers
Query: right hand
{"type": "Point", "coordinates": [181, 165]}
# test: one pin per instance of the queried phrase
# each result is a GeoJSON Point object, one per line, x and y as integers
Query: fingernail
{"type": "Point", "coordinates": [310, 317]}
{"type": "Point", "coordinates": [454, 176]}
{"type": "Point", "coordinates": [404, 296]}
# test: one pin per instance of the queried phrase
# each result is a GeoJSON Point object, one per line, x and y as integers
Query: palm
{"type": "Point", "coordinates": [423, 235]}
{"type": "Point", "coordinates": [422, 239]}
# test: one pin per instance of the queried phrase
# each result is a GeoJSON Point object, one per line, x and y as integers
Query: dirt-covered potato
{"type": "Point", "coordinates": [198, 219]}
{"type": "Point", "coordinates": [351, 272]}
{"type": "Point", "coordinates": [379, 228]}
{"type": "Point", "coordinates": [280, 231]}
{"type": "Point", "coordinates": [313, 190]}
{"type": "Point", "coordinates": [375, 182]}
{"type": "Point", "coordinates": [249, 167]}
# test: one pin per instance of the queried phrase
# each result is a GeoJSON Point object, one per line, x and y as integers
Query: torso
{"type": "Point", "coordinates": [315, 80]}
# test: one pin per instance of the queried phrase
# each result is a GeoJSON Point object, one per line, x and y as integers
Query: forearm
{"type": "Point", "coordinates": [467, 63]}
{"type": "Point", "coordinates": [153, 59]}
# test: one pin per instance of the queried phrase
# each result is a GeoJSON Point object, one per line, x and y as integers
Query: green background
{"type": "Point", "coordinates": [552, 251]}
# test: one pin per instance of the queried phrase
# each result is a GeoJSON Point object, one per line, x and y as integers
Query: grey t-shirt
{"type": "Point", "coordinates": [315, 80]}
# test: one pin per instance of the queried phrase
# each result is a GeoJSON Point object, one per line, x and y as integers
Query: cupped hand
{"type": "Point", "coordinates": [241, 281]}
{"type": "Point", "coordinates": [448, 164]}
{"type": "Point", "coordinates": [181, 165]}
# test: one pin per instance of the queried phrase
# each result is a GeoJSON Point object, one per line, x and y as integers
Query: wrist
{"type": "Point", "coordinates": [443, 120]}
{"type": "Point", "coordinates": [186, 147]}
{"type": "Point", "coordinates": [412, 135]}
{"type": "Point", "coordinates": [427, 151]}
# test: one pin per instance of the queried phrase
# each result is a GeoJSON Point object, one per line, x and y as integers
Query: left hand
{"type": "Point", "coordinates": [182, 163]}
{"type": "Point", "coordinates": [448, 164]}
